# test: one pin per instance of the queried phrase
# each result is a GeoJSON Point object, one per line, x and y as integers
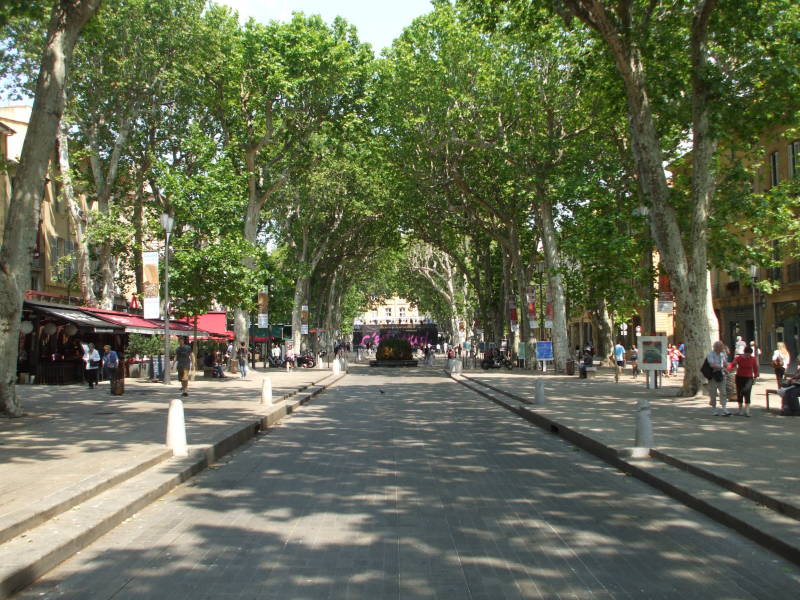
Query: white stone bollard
{"type": "Point", "coordinates": [266, 391]}
{"type": "Point", "coordinates": [337, 367]}
{"type": "Point", "coordinates": [176, 429]}
{"type": "Point", "coordinates": [644, 426]}
{"type": "Point", "coordinates": [539, 392]}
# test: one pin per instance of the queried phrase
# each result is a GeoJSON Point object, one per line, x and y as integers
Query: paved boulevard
{"type": "Point", "coordinates": [406, 485]}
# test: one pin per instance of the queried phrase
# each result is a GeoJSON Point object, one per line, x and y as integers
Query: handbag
{"type": "Point", "coordinates": [707, 371]}
{"type": "Point", "coordinates": [777, 363]}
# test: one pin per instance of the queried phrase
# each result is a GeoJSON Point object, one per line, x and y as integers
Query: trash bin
{"type": "Point", "coordinates": [570, 367]}
{"type": "Point", "coordinates": [118, 387]}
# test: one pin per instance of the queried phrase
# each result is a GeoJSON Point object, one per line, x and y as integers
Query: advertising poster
{"type": "Point", "coordinates": [263, 308]}
{"type": "Point", "coordinates": [304, 319]}
{"type": "Point", "coordinates": [151, 302]}
{"type": "Point", "coordinates": [544, 350]}
{"type": "Point", "coordinates": [653, 353]}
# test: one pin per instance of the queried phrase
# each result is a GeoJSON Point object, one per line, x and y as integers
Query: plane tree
{"type": "Point", "coordinates": [696, 70]}
{"type": "Point", "coordinates": [270, 90]}
{"type": "Point", "coordinates": [19, 236]}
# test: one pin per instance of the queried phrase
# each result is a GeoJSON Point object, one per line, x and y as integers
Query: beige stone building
{"type": "Point", "coordinates": [745, 311]}
{"type": "Point", "coordinates": [49, 276]}
{"type": "Point", "coordinates": [392, 311]}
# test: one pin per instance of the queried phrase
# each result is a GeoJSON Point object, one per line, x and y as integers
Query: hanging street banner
{"type": "Point", "coordinates": [304, 319]}
{"type": "Point", "coordinates": [151, 302]}
{"type": "Point", "coordinates": [263, 308]}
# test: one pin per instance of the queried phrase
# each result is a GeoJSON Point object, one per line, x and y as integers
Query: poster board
{"type": "Point", "coordinates": [653, 353]}
{"type": "Point", "coordinates": [544, 350]}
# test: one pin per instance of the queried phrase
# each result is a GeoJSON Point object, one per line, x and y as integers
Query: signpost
{"type": "Point", "coordinates": [544, 353]}
{"type": "Point", "coordinates": [653, 356]}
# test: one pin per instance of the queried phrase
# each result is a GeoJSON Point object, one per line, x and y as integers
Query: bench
{"type": "Point", "coordinates": [590, 372]}
{"type": "Point", "coordinates": [209, 372]}
{"type": "Point", "coordinates": [768, 394]}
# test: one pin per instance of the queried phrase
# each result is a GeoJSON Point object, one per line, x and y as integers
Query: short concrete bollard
{"type": "Point", "coordinates": [266, 391]}
{"type": "Point", "coordinates": [539, 392]}
{"type": "Point", "coordinates": [336, 366]}
{"type": "Point", "coordinates": [176, 429]}
{"type": "Point", "coordinates": [644, 426]}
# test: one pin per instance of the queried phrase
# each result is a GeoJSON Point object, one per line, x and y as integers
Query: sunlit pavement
{"type": "Point", "coordinates": [73, 436]}
{"type": "Point", "coordinates": [404, 484]}
{"type": "Point", "coordinates": [761, 451]}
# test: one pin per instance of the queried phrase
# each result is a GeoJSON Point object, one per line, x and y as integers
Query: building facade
{"type": "Point", "coordinates": [741, 308]}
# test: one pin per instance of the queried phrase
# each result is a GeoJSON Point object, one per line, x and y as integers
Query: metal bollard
{"type": "Point", "coordinates": [539, 392]}
{"type": "Point", "coordinates": [176, 429]}
{"type": "Point", "coordinates": [266, 391]}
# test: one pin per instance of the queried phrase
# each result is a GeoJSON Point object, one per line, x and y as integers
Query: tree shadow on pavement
{"type": "Point", "coordinates": [424, 491]}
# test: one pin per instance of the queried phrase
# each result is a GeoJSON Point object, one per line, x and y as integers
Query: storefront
{"type": "Point", "coordinates": [51, 342]}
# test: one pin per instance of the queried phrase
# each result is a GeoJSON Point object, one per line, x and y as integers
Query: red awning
{"type": "Point", "coordinates": [131, 323]}
{"type": "Point", "coordinates": [179, 327]}
{"type": "Point", "coordinates": [137, 324]}
{"type": "Point", "coordinates": [216, 324]}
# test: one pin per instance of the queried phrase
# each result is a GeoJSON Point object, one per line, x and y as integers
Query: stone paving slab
{"type": "Point", "coordinates": [45, 537]}
{"type": "Point", "coordinates": [74, 440]}
{"type": "Point", "coordinates": [423, 491]}
{"type": "Point", "coordinates": [761, 452]}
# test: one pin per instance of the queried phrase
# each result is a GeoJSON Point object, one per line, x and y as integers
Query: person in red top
{"type": "Point", "coordinates": [745, 378]}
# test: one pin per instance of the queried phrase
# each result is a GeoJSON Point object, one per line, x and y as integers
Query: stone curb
{"type": "Point", "coordinates": [76, 522]}
{"type": "Point", "coordinates": [614, 457]}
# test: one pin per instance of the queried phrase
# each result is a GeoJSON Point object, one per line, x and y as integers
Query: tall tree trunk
{"type": "Point", "coordinates": [605, 331]}
{"type": "Point", "coordinates": [138, 237]}
{"type": "Point", "coordinates": [687, 270]}
{"type": "Point", "coordinates": [22, 220]}
{"type": "Point", "coordinates": [105, 179]}
{"type": "Point", "coordinates": [555, 282]}
{"type": "Point", "coordinates": [78, 213]}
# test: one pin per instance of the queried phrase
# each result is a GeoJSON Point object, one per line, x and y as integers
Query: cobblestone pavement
{"type": "Point", "coordinates": [407, 485]}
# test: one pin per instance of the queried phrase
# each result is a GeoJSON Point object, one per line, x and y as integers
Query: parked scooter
{"type": "Point", "coordinates": [306, 360]}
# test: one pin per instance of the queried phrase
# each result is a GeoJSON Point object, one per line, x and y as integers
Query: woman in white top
{"type": "Point", "coordinates": [92, 359]}
{"type": "Point", "coordinates": [780, 362]}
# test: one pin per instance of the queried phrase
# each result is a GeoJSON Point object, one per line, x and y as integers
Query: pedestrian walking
{"type": "Point", "coordinates": [746, 375]}
{"type": "Point", "coordinates": [242, 354]}
{"type": "Point", "coordinates": [634, 358]}
{"type": "Point", "coordinates": [740, 345]}
{"type": "Point", "coordinates": [92, 359]}
{"type": "Point", "coordinates": [780, 362]}
{"type": "Point", "coordinates": [619, 360]}
{"type": "Point", "coordinates": [110, 362]}
{"type": "Point", "coordinates": [718, 361]}
{"type": "Point", "coordinates": [185, 360]}
{"type": "Point", "coordinates": [675, 357]}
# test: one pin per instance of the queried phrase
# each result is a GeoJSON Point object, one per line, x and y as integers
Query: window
{"type": "Point", "coordinates": [388, 311]}
{"type": "Point", "coordinates": [774, 177]}
{"type": "Point", "coordinates": [402, 311]}
{"type": "Point", "coordinates": [793, 272]}
{"type": "Point", "coordinates": [794, 158]}
{"type": "Point", "coordinates": [56, 244]}
{"type": "Point", "coordinates": [71, 268]}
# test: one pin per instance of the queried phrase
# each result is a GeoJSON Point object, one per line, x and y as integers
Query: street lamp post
{"type": "Point", "coordinates": [167, 223]}
{"type": "Point", "coordinates": [753, 279]}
